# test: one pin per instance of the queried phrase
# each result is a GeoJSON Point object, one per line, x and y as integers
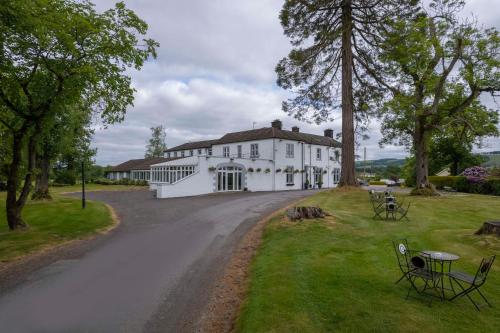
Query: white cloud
{"type": "Point", "coordinates": [215, 74]}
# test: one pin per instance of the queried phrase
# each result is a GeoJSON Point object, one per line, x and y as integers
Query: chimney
{"type": "Point", "coordinates": [329, 133]}
{"type": "Point", "coordinates": [277, 124]}
{"type": "Point", "coordinates": [295, 129]}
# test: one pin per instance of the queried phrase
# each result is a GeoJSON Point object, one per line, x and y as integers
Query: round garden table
{"type": "Point", "coordinates": [439, 262]}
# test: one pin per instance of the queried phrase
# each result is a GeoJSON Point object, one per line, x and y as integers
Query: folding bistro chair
{"type": "Point", "coordinates": [378, 208]}
{"type": "Point", "coordinates": [415, 267]}
{"type": "Point", "coordinates": [401, 248]}
{"type": "Point", "coordinates": [403, 212]}
{"type": "Point", "coordinates": [474, 281]}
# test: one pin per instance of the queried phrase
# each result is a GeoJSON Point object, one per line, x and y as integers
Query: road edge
{"type": "Point", "coordinates": [227, 298]}
{"type": "Point", "coordinates": [25, 264]}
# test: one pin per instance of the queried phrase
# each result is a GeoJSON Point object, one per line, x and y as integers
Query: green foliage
{"type": "Point", "coordinates": [60, 54]}
{"type": "Point", "coordinates": [65, 176]}
{"type": "Point", "coordinates": [446, 181]}
{"type": "Point", "coordinates": [157, 144]}
{"type": "Point", "coordinates": [408, 171]}
{"type": "Point", "coordinates": [436, 66]}
{"type": "Point", "coordinates": [376, 182]}
{"type": "Point", "coordinates": [123, 181]}
{"type": "Point", "coordinates": [490, 186]}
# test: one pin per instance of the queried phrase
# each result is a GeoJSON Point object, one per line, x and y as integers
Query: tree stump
{"type": "Point", "coordinates": [489, 228]}
{"type": "Point", "coordinates": [299, 213]}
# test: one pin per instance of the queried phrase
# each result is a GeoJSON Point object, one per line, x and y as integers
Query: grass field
{"type": "Point", "coordinates": [54, 222]}
{"type": "Point", "coordinates": [338, 274]}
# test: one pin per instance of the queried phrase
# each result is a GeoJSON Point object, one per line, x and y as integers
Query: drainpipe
{"type": "Point", "coordinates": [311, 180]}
{"type": "Point", "coordinates": [328, 167]}
{"type": "Point", "coordinates": [303, 167]}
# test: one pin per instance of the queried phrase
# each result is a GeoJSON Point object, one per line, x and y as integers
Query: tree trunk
{"type": "Point", "coordinates": [348, 176]}
{"type": "Point", "coordinates": [421, 154]}
{"type": "Point", "coordinates": [454, 167]}
{"type": "Point", "coordinates": [14, 208]}
{"type": "Point", "coordinates": [42, 178]}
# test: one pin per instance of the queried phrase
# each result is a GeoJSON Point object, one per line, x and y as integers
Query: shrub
{"type": "Point", "coordinates": [258, 170]}
{"type": "Point", "coordinates": [487, 185]}
{"type": "Point", "coordinates": [476, 174]}
{"type": "Point", "coordinates": [449, 181]}
{"type": "Point", "coordinates": [377, 182]}
{"type": "Point", "coordinates": [250, 170]}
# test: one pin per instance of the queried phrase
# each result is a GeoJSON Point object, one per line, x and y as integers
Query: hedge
{"type": "Point", "coordinates": [123, 181]}
{"type": "Point", "coordinates": [490, 185]}
{"type": "Point", "coordinates": [377, 182]}
{"type": "Point", "coordinates": [449, 181]}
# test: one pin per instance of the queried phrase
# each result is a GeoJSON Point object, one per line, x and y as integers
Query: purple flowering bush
{"type": "Point", "coordinates": [476, 174]}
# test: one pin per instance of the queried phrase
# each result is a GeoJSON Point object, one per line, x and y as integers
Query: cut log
{"type": "Point", "coordinates": [489, 228]}
{"type": "Point", "coordinates": [299, 213]}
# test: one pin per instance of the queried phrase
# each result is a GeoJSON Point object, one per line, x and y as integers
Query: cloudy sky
{"type": "Point", "coordinates": [215, 74]}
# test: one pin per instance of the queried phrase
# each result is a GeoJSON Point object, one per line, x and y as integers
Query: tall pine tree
{"type": "Point", "coordinates": [328, 67]}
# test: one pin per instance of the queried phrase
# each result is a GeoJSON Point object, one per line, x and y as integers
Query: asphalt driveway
{"type": "Point", "coordinates": [153, 274]}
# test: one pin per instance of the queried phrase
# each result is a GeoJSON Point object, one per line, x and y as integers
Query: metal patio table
{"type": "Point", "coordinates": [441, 262]}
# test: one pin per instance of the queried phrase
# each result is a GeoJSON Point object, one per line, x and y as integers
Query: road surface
{"type": "Point", "coordinates": [153, 274]}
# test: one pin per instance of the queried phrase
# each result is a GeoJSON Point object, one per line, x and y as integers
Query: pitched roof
{"type": "Point", "coordinates": [139, 164]}
{"type": "Point", "coordinates": [193, 145]}
{"type": "Point", "coordinates": [276, 133]}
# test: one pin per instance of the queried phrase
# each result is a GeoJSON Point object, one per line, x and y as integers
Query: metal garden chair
{"type": "Point", "coordinates": [402, 211]}
{"type": "Point", "coordinates": [415, 266]}
{"type": "Point", "coordinates": [378, 208]}
{"type": "Point", "coordinates": [474, 281]}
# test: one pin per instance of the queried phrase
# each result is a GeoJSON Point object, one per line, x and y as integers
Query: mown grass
{"type": "Point", "coordinates": [338, 274]}
{"type": "Point", "coordinates": [53, 222]}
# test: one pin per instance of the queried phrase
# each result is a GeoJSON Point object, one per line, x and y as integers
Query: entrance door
{"type": "Point", "coordinates": [229, 179]}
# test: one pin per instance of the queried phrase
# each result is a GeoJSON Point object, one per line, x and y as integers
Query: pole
{"type": "Point", "coordinates": [364, 164]}
{"type": "Point", "coordinates": [83, 186]}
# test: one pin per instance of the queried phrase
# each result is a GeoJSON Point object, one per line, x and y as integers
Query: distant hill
{"type": "Point", "coordinates": [382, 162]}
{"type": "Point", "coordinates": [492, 160]}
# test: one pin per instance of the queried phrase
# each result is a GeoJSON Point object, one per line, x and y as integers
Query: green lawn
{"type": "Point", "coordinates": [338, 274]}
{"type": "Point", "coordinates": [54, 222]}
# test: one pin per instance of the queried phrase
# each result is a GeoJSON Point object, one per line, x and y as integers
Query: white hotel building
{"type": "Point", "coordinates": [265, 159]}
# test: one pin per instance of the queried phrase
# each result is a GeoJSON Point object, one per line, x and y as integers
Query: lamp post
{"type": "Point", "coordinates": [83, 186]}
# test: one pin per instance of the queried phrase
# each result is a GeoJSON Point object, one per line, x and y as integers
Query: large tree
{"type": "Point", "coordinates": [329, 66]}
{"type": "Point", "coordinates": [67, 143]}
{"type": "Point", "coordinates": [157, 144]}
{"type": "Point", "coordinates": [439, 67]}
{"type": "Point", "coordinates": [453, 145]}
{"type": "Point", "coordinates": [55, 53]}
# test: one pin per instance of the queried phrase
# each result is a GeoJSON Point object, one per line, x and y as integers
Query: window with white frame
{"type": "Point", "coordinates": [182, 153]}
{"type": "Point", "coordinates": [191, 153]}
{"type": "Point", "coordinates": [289, 175]}
{"type": "Point", "coordinates": [254, 150]}
{"type": "Point", "coordinates": [289, 150]}
{"type": "Point", "coordinates": [240, 151]}
{"type": "Point", "coordinates": [199, 151]}
{"type": "Point", "coordinates": [225, 151]}
{"type": "Point", "coordinates": [175, 154]}
{"type": "Point", "coordinates": [336, 175]}
{"type": "Point", "coordinates": [318, 154]}
{"type": "Point", "coordinates": [209, 151]}
{"type": "Point", "coordinates": [168, 155]}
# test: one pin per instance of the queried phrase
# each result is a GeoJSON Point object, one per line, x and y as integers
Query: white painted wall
{"type": "Point", "coordinates": [272, 156]}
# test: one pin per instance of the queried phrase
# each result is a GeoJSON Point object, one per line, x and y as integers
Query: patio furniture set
{"type": "Point", "coordinates": [386, 202]}
{"type": "Point", "coordinates": [430, 274]}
